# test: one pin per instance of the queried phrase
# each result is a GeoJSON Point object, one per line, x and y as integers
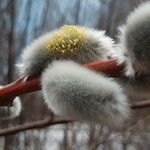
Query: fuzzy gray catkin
{"type": "Point", "coordinates": [136, 38]}
{"type": "Point", "coordinates": [135, 45]}
{"type": "Point", "coordinates": [80, 44]}
{"type": "Point", "coordinates": [74, 92]}
{"type": "Point", "coordinates": [71, 91]}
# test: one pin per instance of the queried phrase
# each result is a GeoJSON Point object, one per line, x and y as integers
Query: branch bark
{"type": "Point", "coordinates": [26, 85]}
{"type": "Point", "coordinates": [30, 84]}
{"type": "Point", "coordinates": [32, 125]}
{"type": "Point", "coordinates": [40, 124]}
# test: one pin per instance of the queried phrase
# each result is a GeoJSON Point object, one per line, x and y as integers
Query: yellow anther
{"type": "Point", "coordinates": [76, 40]}
{"type": "Point", "coordinates": [70, 41]}
{"type": "Point", "coordinates": [74, 43]}
{"type": "Point", "coordinates": [63, 51]}
{"type": "Point", "coordinates": [69, 45]}
{"type": "Point", "coordinates": [63, 46]}
{"type": "Point", "coordinates": [63, 41]}
{"type": "Point", "coordinates": [66, 39]}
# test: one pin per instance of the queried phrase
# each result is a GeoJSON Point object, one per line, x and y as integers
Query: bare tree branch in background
{"type": "Point", "coordinates": [24, 34]}
{"type": "Point", "coordinates": [11, 7]}
{"type": "Point", "coordinates": [33, 125]}
{"type": "Point", "coordinates": [111, 9]}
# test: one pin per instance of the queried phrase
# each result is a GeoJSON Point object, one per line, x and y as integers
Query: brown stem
{"type": "Point", "coordinates": [32, 125]}
{"type": "Point", "coordinates": [26, 85]}
{"type": "Point", "coordinates": [140, 104]}
{"type": "Point", "coordinates": [41, 124]}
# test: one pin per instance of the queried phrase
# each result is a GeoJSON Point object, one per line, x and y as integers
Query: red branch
{"type": "Point", "coordinates": [19, 87]}
{"type": "Point", "coordinates": [108, 67]}
{"type": "Point", "coordinates": [26, 85]}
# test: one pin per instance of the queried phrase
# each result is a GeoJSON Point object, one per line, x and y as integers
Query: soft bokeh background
{"type": "Point", "coordinates": [21, 21]}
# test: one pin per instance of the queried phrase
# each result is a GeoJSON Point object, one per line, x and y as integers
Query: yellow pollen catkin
{"type": "Point", "coordinates": [67, 40]}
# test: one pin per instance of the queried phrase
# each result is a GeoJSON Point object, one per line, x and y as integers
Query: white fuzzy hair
{"type": "Point", "coordinates": [74, 92]}
{"type": "Point", "coordinates": [34, 59]}
{"type": "Point", "coordinates": [121, 54]}
{"type": "Point", "coordinates": [136, 38]}
{"type": "Point", "coordinates": [10, 112]}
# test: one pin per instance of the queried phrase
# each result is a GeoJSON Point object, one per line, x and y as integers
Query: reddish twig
{"type": "Point", "coordinates": [23, 85]}
{"type": "Point", "coordinates": [19, 87]}
{"type": "Point", "coordinates": [109, 67]}
{"type": "Point", "coordinates": [26, 85]}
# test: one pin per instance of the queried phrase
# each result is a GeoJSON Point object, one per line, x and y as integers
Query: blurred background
{"type": "Point", "coordinates": [21, 21]}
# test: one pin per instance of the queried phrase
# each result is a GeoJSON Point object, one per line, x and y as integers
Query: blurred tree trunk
{"type": "Point", "coordinates": [11, 21]}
